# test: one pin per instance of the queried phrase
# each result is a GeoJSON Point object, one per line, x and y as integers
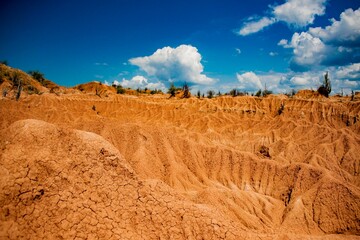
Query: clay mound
{"type": "Point", "coordinates": [308, 94]}
{"type": "Point", "coordinates": [74, 184]}
{"type": "Point", "coordinates": [96, 88]}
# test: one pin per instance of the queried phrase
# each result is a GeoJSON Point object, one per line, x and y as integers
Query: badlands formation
{"type": "Point", "coordinates": [87, 163]}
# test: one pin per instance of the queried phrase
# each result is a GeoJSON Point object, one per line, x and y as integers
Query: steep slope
{"type": "Point", "coordinates": [74, 184]}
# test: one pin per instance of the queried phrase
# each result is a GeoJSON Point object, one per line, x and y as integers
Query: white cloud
{"type": "Point", "coordinates": [182, 64]}
{"type": "Point", "coordinates": [299, 12]}
{"type": "Point", "coordinates": [343, 32]}
{"type": "Point", "coordinates": [139, 82]}
{"type": "Point", "coordinates": [308, 50]}
{"type": "Point", "coordinates": [337, 44]}
{"type": "Point", "coordinates": [349, 72]}
{"type": "Point", "coordinates": [256, 26]}
{"type": "Point", "coordinates": [345, 78]}
{"type": "Point", "coordinates": [249, 81]}
{"type": "Point", "coordinates": [284, 43]}
{"type": "Point", "coordinates": [273, 54]}
{"type": "Point", "coordinates": [101, 64]}
{"type": "Point", "coordinates": [238, 51]}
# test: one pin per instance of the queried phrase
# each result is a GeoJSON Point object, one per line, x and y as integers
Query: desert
{"type": "Point", "coordinates": [88, 163]}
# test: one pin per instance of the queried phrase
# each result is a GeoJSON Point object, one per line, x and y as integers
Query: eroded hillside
{"type": "Point", "coordinates": [147, 167]}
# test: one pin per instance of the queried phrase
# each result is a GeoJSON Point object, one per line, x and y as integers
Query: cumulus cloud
{"type": "Point", "coordinates": [273, 54]}
{"type": "Point", "coordinates": [345, 32]}
{"type": "Point", "coordinates": [238, 51]}
{"type": "Point", "coordinates": [181, 64]}
{"type": "Point", "coordinates": [299, 12]}
{"type": "Point", "coordinates": [139, 82]}
{"type": "Point", "coordinates": [305, 80]}
{"type": "Point", "coordinates": [343, 79]}
{"type": "Point", "coordinates": [256, 26]}
{"type": "Point", "coordinates": [249, 81]}
{"type": "Point", "coordinates": [349, 72]}
{"type": "Point", "coordinates": [308, 50]}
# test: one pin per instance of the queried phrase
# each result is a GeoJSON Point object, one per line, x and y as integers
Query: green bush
{"type": "Point", "coordinates": [325, 88]}
{"type": "Point", "coordinates": [210, 94]}
{"type": "Point", "coordinates": [120, 89]}
{"type": "Point", "coordinates": [37, 75]}
{"type": "Point", "coordinates": [172, 90]}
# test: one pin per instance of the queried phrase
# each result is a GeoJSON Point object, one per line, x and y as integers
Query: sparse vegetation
{"type": "Point", "coordinates": [258, 93]}
{"type": "Point", "coordinates": [18, 93]}
{"type": "Point", "coordinates": [266, 92]}
{"type": "Point", "coordinates": [38, 76]}
{"type": "Point", "coordinates": [15, 79]}
{"type": "Point", "coordinates": [4, 62]}
{"type": "Point", "coordinates": [281, 109]}
{"type": "Point", "coordinates": [234, 92]}
{"type": "Point", "coordinates": [210, 94]}
{"type": "Point", "coordinates": [172, 90]}
{"type": "Point", "coordinates": [5, 92]}
{"type": "Point", "coordinates": [120, 89]}
{"type": "Point", "coordinates": [264, 151]}
{"type": "Point", "coordinates": [186, 91]}
{"type": "Point", "coordinates": [325, 88]}
{"type": "Point", "coordinates": [291, 93]}
{"type": "Point", "coordinates": [198, 94]}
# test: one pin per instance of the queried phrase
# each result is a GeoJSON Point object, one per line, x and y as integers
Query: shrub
{"type": "Point", "coordinates": [37, 75]}
{"type": "Point", "coordinates": [198, 94]}
{"type": "Point", "coordinates": [18, 93]}
{"type": "Point", "coordinates": [4, 62]}
{"type": "Point", "coordinates": [5, 92]}
{"type": "Point", "coordinates": [281, 109]}
{"type": "Point", "coordinates": [186, 91]}
{"type": "Point", "coordinates": [264, 151]}
{"type": "Point", "coordinates": [15, 79]}
{"type": "Point", "coordinates": [325, 88]}
{"type": "Point", "coordinates": [234, 92]}
{"type": "Point", "coordinates": [120, 89]}
{"type": "Point", "coordinates": [258, 93]}
{"type": "Point", "coordinates": [172, 90]}
{"type": "Point", "coordinates": [210, 94]}
{"type": "Point", "coordinates": [266, 92]}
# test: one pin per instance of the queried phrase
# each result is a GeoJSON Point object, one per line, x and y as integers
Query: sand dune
{"type": "Point", "coordinates": [150, 167]}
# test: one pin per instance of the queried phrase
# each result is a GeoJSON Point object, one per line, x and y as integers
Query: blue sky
{"type": "Point", "coordinates": [212, 44]}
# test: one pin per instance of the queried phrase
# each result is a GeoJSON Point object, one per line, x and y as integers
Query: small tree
{"type": "Point", "coordinates": [172, 90]}
{"type": "Point", "coordinates": [18, 93]}
{"type": "Point", "coordinates": [198, 94]}
{"type": "Point", "coordinates": [210, 94]}
{"type": "Point", "coordinates": [258, 93]}
{"type": "Point", "coordinates": [120, 89]}
{"type": "Point", "coordinates": [325, 88]}
{"type": "Point", "coordinates": [234, 92]}
{"type": "Point", "coordinates": [186, 91]}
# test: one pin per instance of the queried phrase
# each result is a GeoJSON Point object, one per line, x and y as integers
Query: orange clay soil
{"type": "Point", "coordinates": [80, 166]}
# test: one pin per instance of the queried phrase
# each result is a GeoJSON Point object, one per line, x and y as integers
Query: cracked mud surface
{"type": "Point", "coordinates": [148, 168]}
